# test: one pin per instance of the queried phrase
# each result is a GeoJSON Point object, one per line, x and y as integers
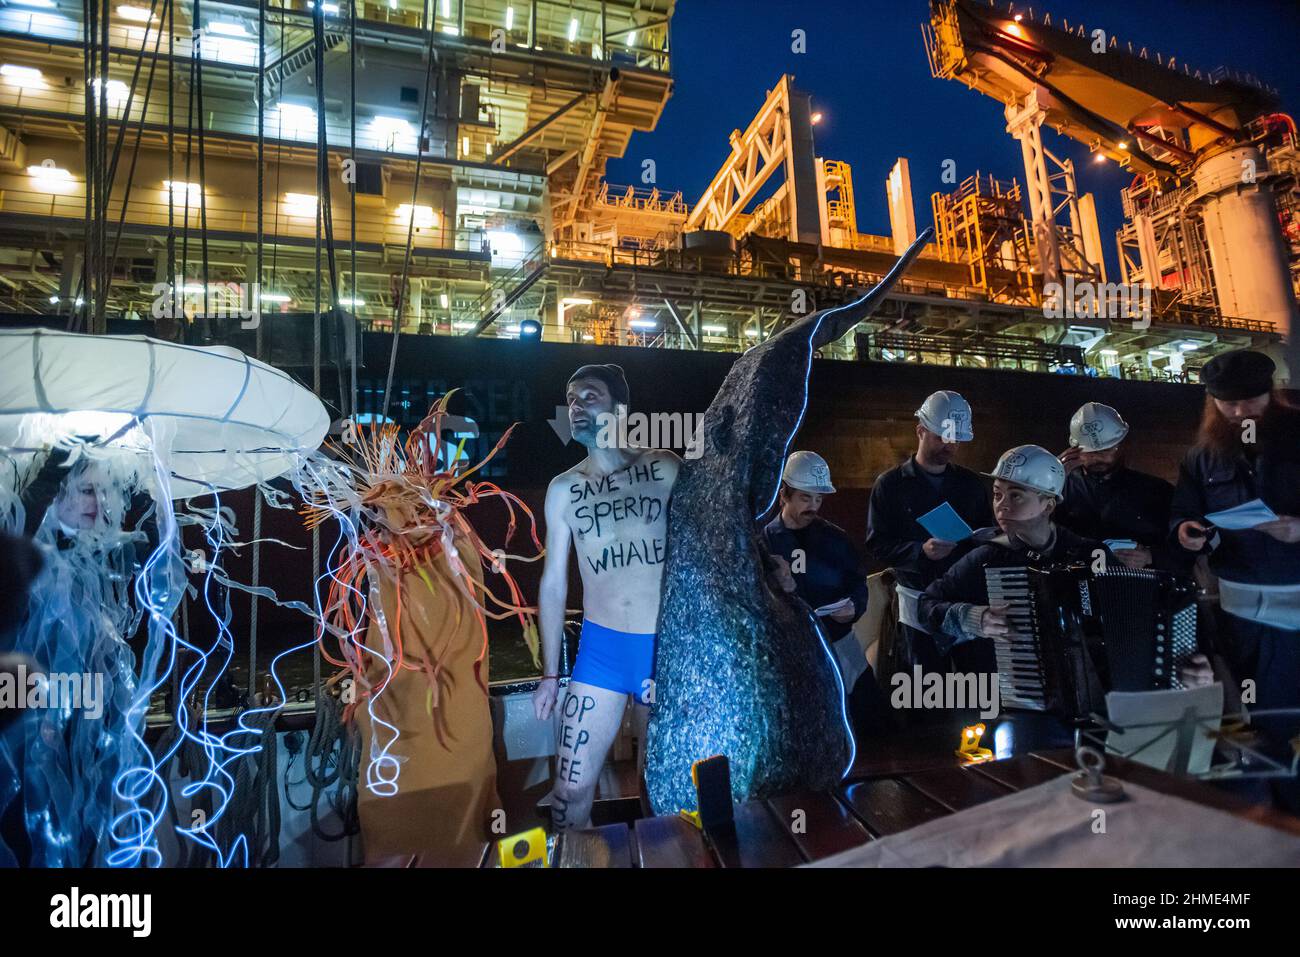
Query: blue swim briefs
{"type": "Point", "coordinates": [615, 660]}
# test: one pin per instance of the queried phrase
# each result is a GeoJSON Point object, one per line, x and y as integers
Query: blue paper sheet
{"type": "Point", "coordinates": [945, 524]}
{"type": "Point", "coordinates": [1247, 515]}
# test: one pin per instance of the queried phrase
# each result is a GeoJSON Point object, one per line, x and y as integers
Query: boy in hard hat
{"type": "Point", "coordinates": [1105, 499]}
{"type": "Point", "coordinates": [816, 559]}
{"type": "Point", "coordinates": [612, 509]}
{"type": "Point", "coordinates": [900, 496]}
{"type": "Point", "coordinates": [1027, 485]}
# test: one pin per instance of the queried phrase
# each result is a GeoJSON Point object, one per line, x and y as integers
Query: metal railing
{"type": "Point", "coordinates": [648, 200]}
{"type": "Point", "coordinates": [286, 215]}
{"type": "Point", "coordinates": [497, 296]}
{"type": "Point", "coordinates": [626, 33]}
{"type": "Point", "coordinates": [226, 112]}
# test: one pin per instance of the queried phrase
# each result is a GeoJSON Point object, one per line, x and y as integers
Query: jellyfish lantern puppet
{"type": "Point", "coordinates": [98, 434]}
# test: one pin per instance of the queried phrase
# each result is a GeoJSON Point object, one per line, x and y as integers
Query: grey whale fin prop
{"type": "Point", "coordinates": [741, 670]}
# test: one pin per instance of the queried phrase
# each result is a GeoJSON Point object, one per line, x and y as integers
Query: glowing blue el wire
{"type": "Point", "coordinates": [217, 749]}
{"type": "Point", "coordinates": [803, 408]}
{"type": "Point", "coordinates": [134, 830]}
{"type": "Point", "coordinates": [383, 768]}
{"type": "Point", "coordinates": [138, 844]}
{"type": "Point", "coordinates": [140, 821]}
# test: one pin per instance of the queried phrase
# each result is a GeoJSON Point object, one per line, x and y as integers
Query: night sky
{"type": "Point", "coordinates": [867, 72]}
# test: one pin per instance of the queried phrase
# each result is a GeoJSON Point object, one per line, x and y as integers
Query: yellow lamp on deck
{"type": "Point", "coordinates": [968, 749]}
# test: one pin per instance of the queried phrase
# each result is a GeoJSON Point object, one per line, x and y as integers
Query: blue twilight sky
{"type": "Point", "coordinates": [866, 69]}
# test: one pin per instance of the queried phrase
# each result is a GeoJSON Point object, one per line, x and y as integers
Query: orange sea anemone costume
{"type": "Point", "coordinates": [408, 605]}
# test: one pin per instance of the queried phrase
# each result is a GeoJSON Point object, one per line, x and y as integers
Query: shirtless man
{"type": "Point", "coordinates": [613, 508]}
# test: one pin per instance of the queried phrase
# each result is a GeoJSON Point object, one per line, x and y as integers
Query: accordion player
{"type": "Point", "coordinates": [1079, 633]}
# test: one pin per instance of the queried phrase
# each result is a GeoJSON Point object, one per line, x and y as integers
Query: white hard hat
{"type": "Point", "coordinates": [947, 415]}
{"type": "Point", "coordinates": [808, 472]}
{"type": "Point", "coordinates": [1096, 427]}
{"type": "Point", "coordinates": [1033, 467]}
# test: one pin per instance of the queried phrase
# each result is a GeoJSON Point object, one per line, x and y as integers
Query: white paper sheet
{"type": "Point", "coordinates": [833, 607]}
{"type": "Point", "coordinates": [909, 612]}
{"type": "Point", "coordinates": [1155, 746]}
{"type": "Point", "coordinates": [1275, 605]}
{"type": "Point", "coordinates": [852, 662]}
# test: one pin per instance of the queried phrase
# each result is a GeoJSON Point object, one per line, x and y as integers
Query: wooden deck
{"type": "Point", "coordinates": [893, 787]}
{"type": "Point", "coordinates": [795, 829]}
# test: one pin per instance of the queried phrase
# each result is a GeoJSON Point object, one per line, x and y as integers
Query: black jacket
{"type": "Point", "coordinates": [901, 496]}
{"type": "Point", "coordinates": [1210, 482]}
{"type": "Point", "coordinates": [42, 490]}
{"type": "Point", "coordinates": [832, 569]}
{"type": "Point", "coordinates": [964, 583]}
{"type": "Point", "coordinates": [1126, 504]}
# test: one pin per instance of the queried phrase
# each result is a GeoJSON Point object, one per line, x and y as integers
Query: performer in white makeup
{"type": "Point", "coordinates": [90, 513]}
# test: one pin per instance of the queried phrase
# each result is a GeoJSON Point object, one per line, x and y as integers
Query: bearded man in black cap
{"type": "Point", "coordinates": [1248, 449]}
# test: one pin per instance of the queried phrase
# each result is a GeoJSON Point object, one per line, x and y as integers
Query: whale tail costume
{"type": "Point", "coordinates": [740, 670]}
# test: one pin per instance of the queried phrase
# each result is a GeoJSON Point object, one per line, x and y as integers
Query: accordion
{"type": "Point", "coordinates": [1078, 634]}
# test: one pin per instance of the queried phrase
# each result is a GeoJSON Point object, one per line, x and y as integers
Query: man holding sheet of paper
{"type": "Point", "coordinates": [1238, 500]}
{"type": "Point", "coordinates": [816, 560]}
{"type": "Point", "coordinates": [921, 514]}
{"type": "Point", "coordinates": [1108, 501]}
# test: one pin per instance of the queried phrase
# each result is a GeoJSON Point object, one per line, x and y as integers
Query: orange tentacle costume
{"type": "Point", "coordinates": [408, 606]}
